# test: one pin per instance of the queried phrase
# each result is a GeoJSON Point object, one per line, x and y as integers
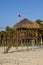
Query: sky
{"type": "Point", "coordinates": [9, 10]}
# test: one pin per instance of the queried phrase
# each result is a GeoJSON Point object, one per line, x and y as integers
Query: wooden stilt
{"type": "Point", "coordinates": [22, 44]}
{"type": "Point", "coordinates": [27, 44]}
{"type": "Point", "coordinates": [41, 41]}
{"type": "Point", "coordinates": [33, 41]}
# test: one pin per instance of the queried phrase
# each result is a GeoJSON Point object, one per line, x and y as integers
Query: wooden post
{"type": "Point", "coordinates": [41, 41]}
{"type": "Point", "coordinates": [17, 42]}
{"type": "Point", "coordinates": [27, 44]}
{"type": "Point", "coordinates": [33, 41]}
{"type": "Point", "coordinates": [37, 36]}
{"type": "Point", "coordinates": [22, 44]}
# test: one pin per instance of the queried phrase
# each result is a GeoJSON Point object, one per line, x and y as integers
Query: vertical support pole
{"type": "Point", "coordinates": [33, 41]}
{"type": "Point", "coordinates": [4, 44]}
{"type": "Point", "coordinates": [27, 44]}
{"type": "Point", "coordinates": [21, 45]}
{"type": "Point", "coordinates": [37, 37]}
{"type": "Point", "coordinates": [4, 47]}
{"type": "Point", "coordinates": [41, 41]}
{"type": "Point", "coordinates": [17, 42]}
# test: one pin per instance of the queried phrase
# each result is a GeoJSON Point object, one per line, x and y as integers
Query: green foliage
{"type": "Point", "coordinates": [42, 26]}
{"type": "Point", "coordinates": [38, 21]}
{"type": "Point", "coordinates": [4, 44]}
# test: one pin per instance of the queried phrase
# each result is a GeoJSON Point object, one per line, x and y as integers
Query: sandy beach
{"type": "Point", "coordinates": [23, 57]}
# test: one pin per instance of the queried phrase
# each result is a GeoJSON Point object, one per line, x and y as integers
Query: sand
{"type": "Point", "coordinates": [23, 57]}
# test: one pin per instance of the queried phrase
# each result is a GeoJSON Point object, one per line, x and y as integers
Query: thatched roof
{"type": "Point", "coordinates": [25, 23]}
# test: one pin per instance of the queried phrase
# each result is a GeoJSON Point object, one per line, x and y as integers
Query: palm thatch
{"type": "Point", "coordinates": [25, 23]}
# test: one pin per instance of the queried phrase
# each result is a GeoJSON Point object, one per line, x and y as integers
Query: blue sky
{"type": "Point", "coordinates": [9, 10]}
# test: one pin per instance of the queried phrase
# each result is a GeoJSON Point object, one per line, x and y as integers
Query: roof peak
{"type": "Point", "coordinates": [26, 20]}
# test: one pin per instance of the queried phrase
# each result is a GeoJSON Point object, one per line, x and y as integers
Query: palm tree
{"type": "Point", "coordinates": [40, 31]}
{"type": "Point", "coordinates": [2, 35]}
{"type": "Point", "coordinates": [7, 32]}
